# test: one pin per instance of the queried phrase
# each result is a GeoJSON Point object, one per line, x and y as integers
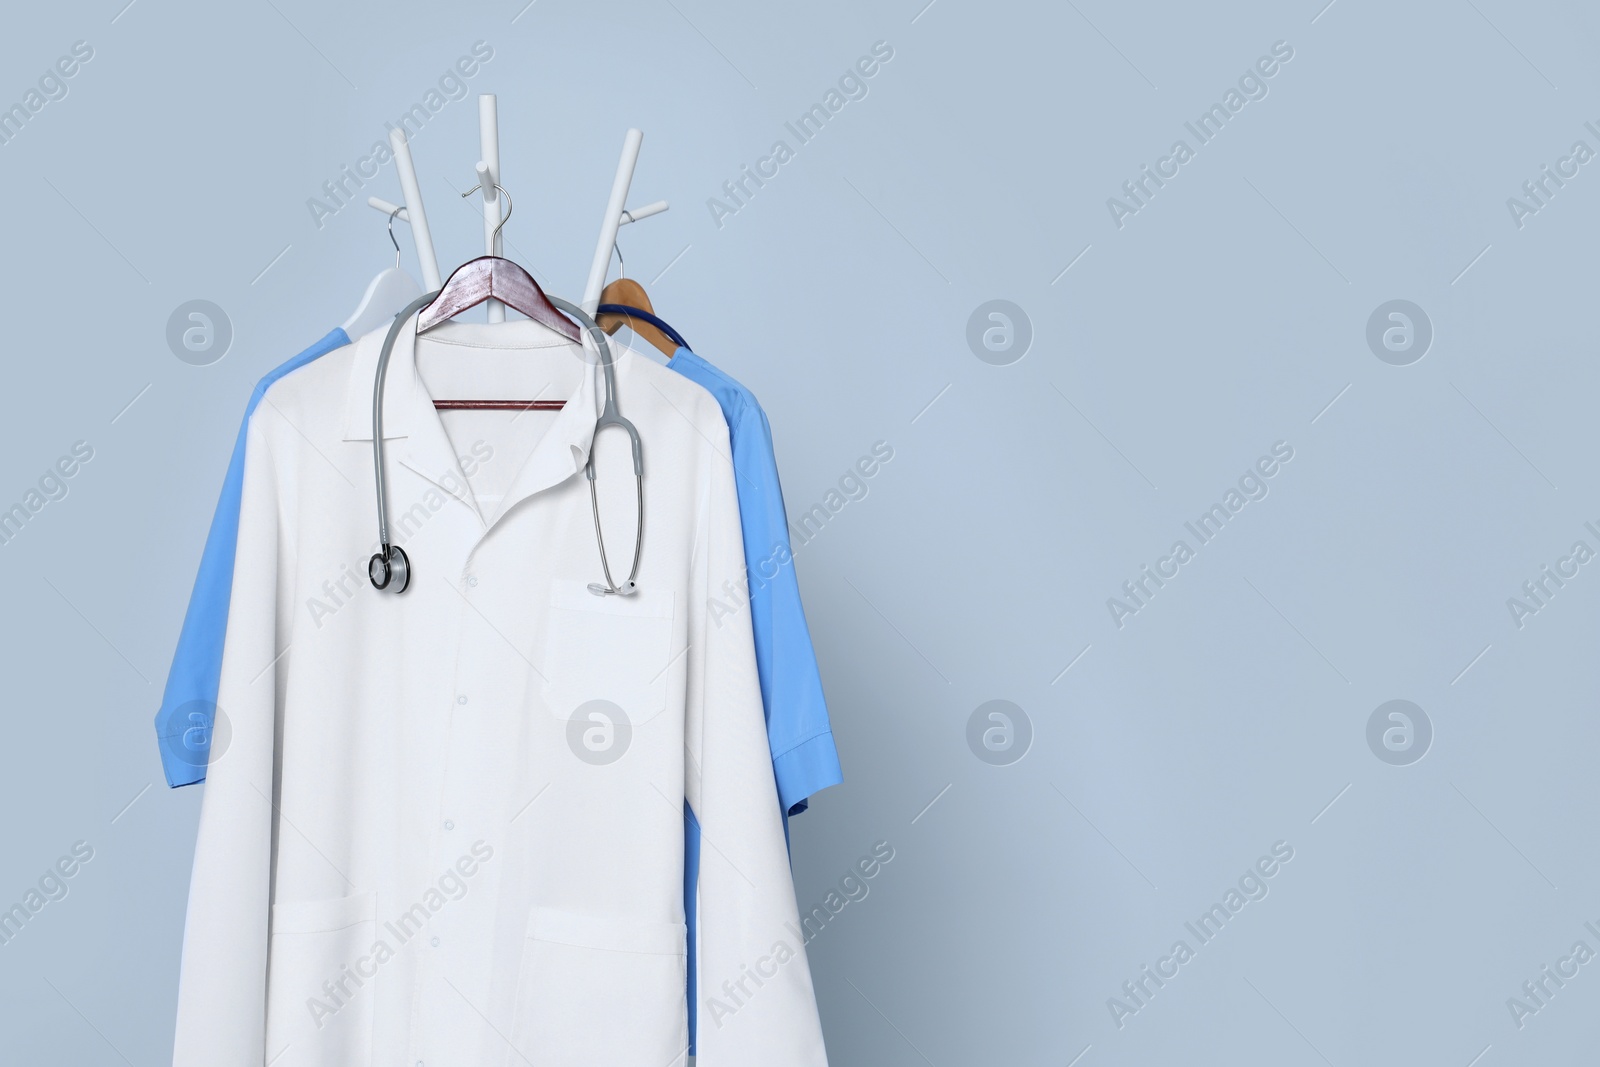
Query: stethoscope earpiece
{"type": "Point", "coordinates": [390, 569]}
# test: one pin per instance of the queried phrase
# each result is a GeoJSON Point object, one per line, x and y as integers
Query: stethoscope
{"type": "Point", "coordinates": [390, 568]}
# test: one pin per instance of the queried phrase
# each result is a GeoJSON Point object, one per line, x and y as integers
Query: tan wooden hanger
{"type": "Point", "coordinates": [630, 293]}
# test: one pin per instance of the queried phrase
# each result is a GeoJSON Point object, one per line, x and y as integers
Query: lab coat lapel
{"type": "Point", "coordinates": [415, 437]}
{"type": "Point", "coordinates": [427, 449]}
{"type": "Point", "coordinates": [564, 449]}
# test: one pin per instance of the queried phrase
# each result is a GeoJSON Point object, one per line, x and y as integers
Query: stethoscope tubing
{"type": "Point", "coordinates": [381, 375]}
{"type": "Point", "coordinates": [609, 416]}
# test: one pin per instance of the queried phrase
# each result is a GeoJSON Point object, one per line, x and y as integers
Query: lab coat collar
{"type": "Point", "coordinates": [409, 414]}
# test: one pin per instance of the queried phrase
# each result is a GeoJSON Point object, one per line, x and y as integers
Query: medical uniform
{"type": "Point", "coordinates": [804, 758]}
{"type": "Point", "coordinates": [183, 725]}
{"type": "Point", "coordinates": [445, 827]}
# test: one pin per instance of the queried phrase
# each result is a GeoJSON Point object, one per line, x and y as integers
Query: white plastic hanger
{"type": "Point", "coordinates": [386, 295]}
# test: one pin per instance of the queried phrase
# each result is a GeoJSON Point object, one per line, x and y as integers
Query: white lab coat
{"type": "Point", "coordinates": [415, 844]}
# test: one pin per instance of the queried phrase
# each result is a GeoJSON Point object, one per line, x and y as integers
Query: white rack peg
{"type": "Point", "coordinates": [612, 220]}
{"type": "Point", "coordinates": [488, 175]}
{"type": "Point", "coordinates": [426, 258]}
{"type": "Point", "coordinates": [387, 208]}
{"type": "Point", "coordinates": [634, 214]}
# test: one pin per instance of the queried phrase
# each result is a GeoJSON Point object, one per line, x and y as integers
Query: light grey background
{"type": "Point", "coordinates": [1228, 314]}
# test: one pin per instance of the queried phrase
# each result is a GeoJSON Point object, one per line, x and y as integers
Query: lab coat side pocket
{"type": "Point", "coordinates": [611, 649]}
{"type": "Point", "coordinates": [315, 945]}
{"type": "Point", "coordinates": [600, 990]}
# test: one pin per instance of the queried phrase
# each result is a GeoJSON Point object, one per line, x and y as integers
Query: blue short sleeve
{"type": "Point", "coordinates": [804, 758]}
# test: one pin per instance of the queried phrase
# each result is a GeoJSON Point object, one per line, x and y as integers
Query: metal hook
{"type": "Point", "coordinates": [509, 207]}
{"type": "Point", "coordinates": [392, 237]}
{"type": "Point", "coordinates": [616, 246]}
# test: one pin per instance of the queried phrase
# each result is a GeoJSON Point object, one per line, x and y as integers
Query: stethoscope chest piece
{"type": "Point", "coordinates": [390, 569]}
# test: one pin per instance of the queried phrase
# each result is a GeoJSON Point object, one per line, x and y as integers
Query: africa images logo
{"type": "Point", "coordinates": [1252, 85]}
{"type": "Point", "coordinates": [1252, 886]}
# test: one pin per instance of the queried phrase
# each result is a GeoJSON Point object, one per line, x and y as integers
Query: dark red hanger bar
{"type": "Point", "coordinates": [499, 405]}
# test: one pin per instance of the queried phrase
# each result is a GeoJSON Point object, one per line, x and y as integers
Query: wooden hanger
{"type": "Point", "coordinates": [492, 277]}
{"type": "Point", "coordinates": [629, 292]}
{"type": "Point", "coordinates": [486, 278]}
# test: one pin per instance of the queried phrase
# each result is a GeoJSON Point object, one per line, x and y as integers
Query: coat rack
{"type": "Point", "coordinates": [487, 175]}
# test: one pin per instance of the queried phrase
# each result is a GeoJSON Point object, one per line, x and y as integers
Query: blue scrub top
{"type": "Point", "coordinates": [804, 759]}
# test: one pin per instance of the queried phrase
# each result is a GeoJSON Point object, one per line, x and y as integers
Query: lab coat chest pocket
{"type": "Point", "coordinates": [313, 943]}
{"type": "Point", "coordinates": [601, 990]}
{"type": "Point", "coordinates": [611, 648]}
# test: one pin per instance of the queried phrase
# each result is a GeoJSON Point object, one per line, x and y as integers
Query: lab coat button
{"type": "Point", "coordinates": [472, 579]}
{"type": "Point", "coordinates": [462, 699]}
{"type": "Point", "coordinates": [448, 825]}
{"type": "Point", "coordinates": [434, 942]}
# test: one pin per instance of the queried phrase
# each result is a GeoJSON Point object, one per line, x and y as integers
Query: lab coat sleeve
{"type": "Point", "coordinates": [755, 999]}
{"type": "Point", "coordinates": [222, 989]}
{"type": "Point", "coordinates": [184, 723]}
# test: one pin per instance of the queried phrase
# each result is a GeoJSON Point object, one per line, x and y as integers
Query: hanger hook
{"type": "Point", "coordinates": [616, 246]}
{"type": "Point", "coordinates": [392, 237]}
{"type": "Point", "coordinates": [509, 207]}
